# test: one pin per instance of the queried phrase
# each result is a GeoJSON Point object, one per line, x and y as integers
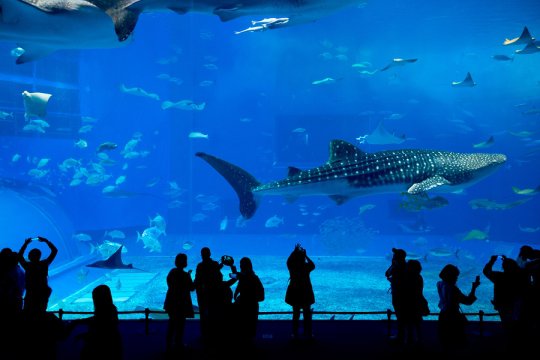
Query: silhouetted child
{"type": "Point", "coordinates": [178, 304]}
{"type": "Point", "coordinates": [396, 274]}
{"type": "Point", "coordinates": [247, 295]}
{"type": "Point", "coordinates": [103, 339]}
{"type": "Point", "coordinates": [36, 270]}
{"type": "Point", "coordinates": [452, 322]}
{"type": "Point", "coordinates": [300, 293]}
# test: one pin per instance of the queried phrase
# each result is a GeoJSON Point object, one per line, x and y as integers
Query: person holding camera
{"type": "Point", "coordinates": [299, 292]}
{"type": "Point", "coordinates": [509, 291]}
{"type": "Point", "coordinates": [452, 322]}
{"type": "Point", "coordinates": [36, 270]}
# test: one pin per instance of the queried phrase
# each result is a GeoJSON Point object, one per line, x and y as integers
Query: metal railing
{"type": "Point", "coordinates": [389, 313]}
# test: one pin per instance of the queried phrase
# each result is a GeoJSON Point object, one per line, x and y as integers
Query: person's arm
{"type": "Point", "coordinates": [488, 268]}
{"type": "Point", "coordinates": [51, 246]}
{"type": "Point", "coordinates": [22, 260]}
{"type": "Point", "coordinates": [311, 264]}
{"type": "Point", "coordinates": [471, 298]}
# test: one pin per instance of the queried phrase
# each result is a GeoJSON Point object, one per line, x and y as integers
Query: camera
{"type": "Point", "coordinates": [227, 260]}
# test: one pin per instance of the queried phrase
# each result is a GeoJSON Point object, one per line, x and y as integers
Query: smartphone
{"type": "Point", "coordinates": [477, 279]}
{"type": "Point", "coordinates": [232, 276]}
{"type": "Point", "coordinates": [35, 239]}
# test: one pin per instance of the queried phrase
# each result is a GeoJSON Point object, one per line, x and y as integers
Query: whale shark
{"type": "Point", "coordinates": [351, 172]}
{"type": "Point", "coordinates": [125, 13]}
{"type": "Point", "coordinates": [41, 27]}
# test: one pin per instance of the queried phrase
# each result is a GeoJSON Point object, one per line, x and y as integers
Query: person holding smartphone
{"type": "Point", "coordinates": [36, 270]}
{"type": "Point", "coordinates": [452, 322]}
{"type": "Point", "coordinates": [299, 292]}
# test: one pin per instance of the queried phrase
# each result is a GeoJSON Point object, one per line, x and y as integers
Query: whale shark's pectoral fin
{"type": "Point", "coordinates": [428, 184]}
{"type": "Point", "coordinates": [339, 199]}
{"type": "Point", "coordinates": [124, 21]}
{"type": "Point", "coordinates": [228, 13]}
{"type": "Point", "coordinates": [33, 52]}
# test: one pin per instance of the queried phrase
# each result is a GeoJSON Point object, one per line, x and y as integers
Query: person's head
{"type": "Point", "coordinates": [34, 255]}
{"type": "Point", "coordinates": [399, 254]}
{"type": "Point", "coordinates": [102, 297]}
{"type": "Point", "coordinates": [205, 253]}
{"type": "Point", "coordinates": [526, 252]}
{"type": "Point", "coordinates": [510, 265]}
{"type": "Point", "coordinates": [449, 273]}
{"type": "Point", "coordinates": [414, 266]}
{"type": "Point", "coordinates": [180, 261]}
{"type": "Point", "coordinates": [245, 265]}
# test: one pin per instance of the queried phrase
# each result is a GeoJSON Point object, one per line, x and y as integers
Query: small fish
{"type": "Point", "coordinates": [327, 80]}
{"type": "Point", "coordinates": [106, 146]}
{"type": "Point", "coordinates": [476, 234]}
{"type": "Point", "coordinates": [502, 58]}
{"type": "Point", "coordinates": [299, 130]}
{"type": "Point", "coordinates": [16, 158]}
{"type": "Point", "coordinates": [81, 144]}
{"type": "Point", "coordinates": [273, 222]}
{"type": "Point", "coordinates": [115, 234]}
{"type": "Point", "coordinates": [119, 180]}
{"type": "Point", "coordinates": [484, 144]}
{"type": "Point", "coordinates": [85, 128]}
{"type": "Point", "coordinates": [365, 208]}
{"type": "Point", "coordinates": [223, 224]}
{"type": "Point", "coordinates": [188, 245]}
{"type": "Point", "coordinates": [16, 52]}
{"type": "Point", "coordinates": [197, 135]}
{"type": "Point", "coordinates": [529, 229]}
{"type": "Point", "coordinates": [82, 237]}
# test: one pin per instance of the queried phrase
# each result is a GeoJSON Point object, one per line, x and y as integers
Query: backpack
{"type": "Point", "coordinates": [259, 290]}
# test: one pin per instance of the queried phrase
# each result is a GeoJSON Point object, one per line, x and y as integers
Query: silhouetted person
{"type": "Point", "coordinates": [529, 260]}
{"type": "Point", "coordinates": [11, 300]}
{"type": "Point", "coordinates": [178, 304]}
{"type": "Point", "coordinates": [41, 332]}
{"type": "Point", "coordinates": [452, 322]}
{"type": "Point", "coordinates": [415, 305]}
{"type": "Point", "coordinates": [509, 289]}
{"type": "Point", "coordinates": [300, 293]}
{"type": "Point", "coordinates": [36, 276]}
{"type": "Point", "coordinates": [207, 278]}
{"type": "Point", "coordinates": [396, 274]}
{"type": "Point", "coordinates": [221, 312]}
{"type": "Point", "coordinates": [247, 295]}
{"type": "Point", "coordinates": [102, 339]}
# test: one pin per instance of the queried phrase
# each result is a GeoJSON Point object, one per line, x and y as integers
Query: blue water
{"type": "Point", "coordinates": [263, 113]}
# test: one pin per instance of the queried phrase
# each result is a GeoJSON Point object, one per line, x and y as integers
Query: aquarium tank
{"type": "Point", "coordinates": [131, 133]}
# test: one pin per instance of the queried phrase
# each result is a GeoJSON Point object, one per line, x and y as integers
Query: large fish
{"type": "Point", "coordinates": [351, 172]}
{"type": "Point", "coordinates": [41, 27]}
{"type": "Point", "coordinates": [126, 12]}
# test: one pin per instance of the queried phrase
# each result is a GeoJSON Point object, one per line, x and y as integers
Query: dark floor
{"type": "Point", "coordinates": [334, 339]}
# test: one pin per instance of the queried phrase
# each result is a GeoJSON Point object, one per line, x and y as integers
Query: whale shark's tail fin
{"type": "Point", "coordinates": [241, 181]}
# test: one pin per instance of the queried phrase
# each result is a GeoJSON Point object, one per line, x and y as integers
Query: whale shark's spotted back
{"type": "Point", "coordinates": [351, 172]}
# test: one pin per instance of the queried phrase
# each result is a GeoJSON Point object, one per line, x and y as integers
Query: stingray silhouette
{"type": "Point", "coordinates": [113, 262]}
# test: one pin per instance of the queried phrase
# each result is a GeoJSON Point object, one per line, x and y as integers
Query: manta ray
{"type": "Point", "coordinates": [524, 38]}
{"type": "Point", "coordinates": [41, 27]}
{"type": "Point", "coordinates": [531, 48]}
{"type": "Point", "coordinates": [113, 262]}
{"type": "Point", "coordinates": [467, 82]}
{"type": "Point", "coordinates": [381, 136]}
{"type": "Point", "coordinates": [351, 172]}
